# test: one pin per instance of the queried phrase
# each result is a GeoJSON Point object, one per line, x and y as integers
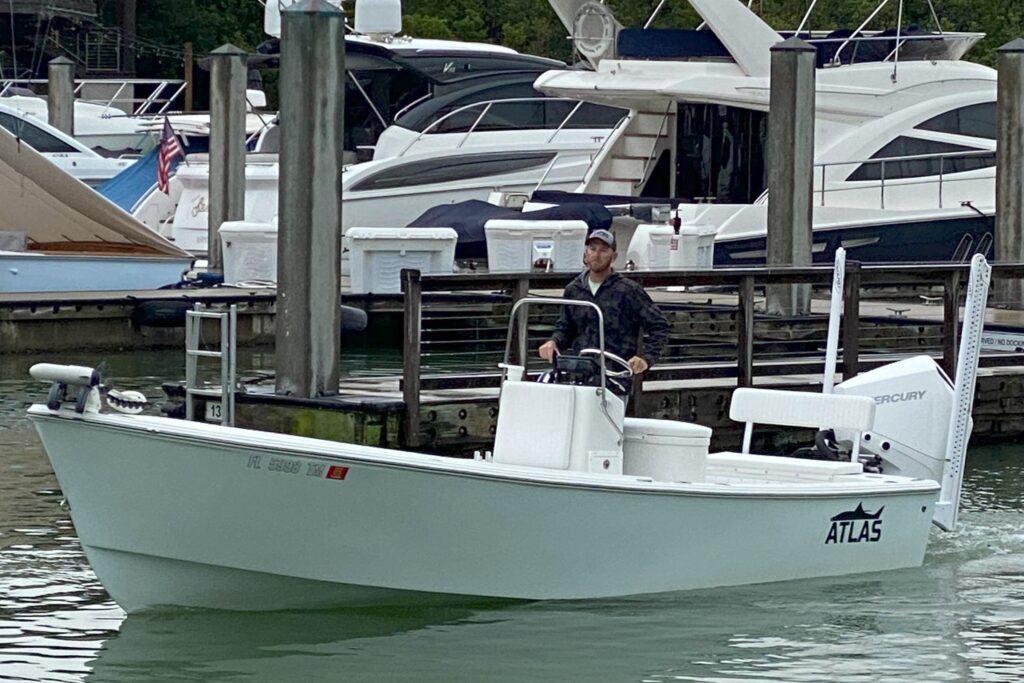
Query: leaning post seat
{"type": "Point", "coordinates": [802, 409]}
{"type": "Point", "coordinates": [558, 426]}
{"type": "Point", "coordinates": [795, 409]}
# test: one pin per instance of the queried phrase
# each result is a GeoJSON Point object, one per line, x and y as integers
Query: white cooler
{"type": "Point", "coordinates": [513, 246]}
{"type": "Point", "coordinates": [378, 255]}
{"type": "Point", "coordinates": [665, 450]}
{"type": "Point", "coordinates": [650, 245]}
{"type": "Point", "coordinates": [249, 251]}
{"type": "Point", "coordinates": [696, 248]}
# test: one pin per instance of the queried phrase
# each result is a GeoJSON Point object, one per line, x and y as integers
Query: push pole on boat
{"type": "Point", "coordinates": [959, 433]}
{"type": "Point", "coordinates": [835, 312]}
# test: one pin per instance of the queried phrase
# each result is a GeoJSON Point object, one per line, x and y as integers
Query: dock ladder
{"type": "Point", "coordinates": [224, 412]}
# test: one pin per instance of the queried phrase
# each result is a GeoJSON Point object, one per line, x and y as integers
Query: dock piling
{"type": "Point", "coordinates": [745, 332]}
{"type": "Point", "coordinates": [308, 334]}
{"type": "Point", "coordinates": [790, 169]}
{"type": "Point", "coordinates": [521, 290]}
{"type": "Point", "coordinates": [412, 322]}
{"type": "Point", "coordinates": [1009, 237]}
{"type": "Point", "coordinates": [851, 320]}
{"type": "Point", "coordinates": [189, 61]}
{"type": "Point", "coordinates": [60, 94]}
{"type": "Point", "coordinates": [227, 145]}
{"type": "Point", "coordinates": [951, 321]}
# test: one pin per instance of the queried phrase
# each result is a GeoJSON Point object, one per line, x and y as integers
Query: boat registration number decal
{"type": "Point", "coordinates": [294, 466]}
{"type": "Point", "coordinates": [855, 526]}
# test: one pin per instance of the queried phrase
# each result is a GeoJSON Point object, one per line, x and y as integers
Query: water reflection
{"type": "Point", "coordinates": [276, 646]}
{"type": "Point", "coordinates": [862, 629]}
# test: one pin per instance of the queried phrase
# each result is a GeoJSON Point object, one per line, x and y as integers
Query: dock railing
{"type": "Point", "coordinates": [941, 284]}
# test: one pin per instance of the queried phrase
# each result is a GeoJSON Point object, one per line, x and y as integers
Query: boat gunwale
{"type": "Point", "coordinates": [884, 485]}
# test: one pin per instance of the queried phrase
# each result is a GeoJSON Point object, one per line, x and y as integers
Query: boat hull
{"type": "Point", "coordinates": [175, 513]}
{"type": "Point", "coordinates": [33, 272]}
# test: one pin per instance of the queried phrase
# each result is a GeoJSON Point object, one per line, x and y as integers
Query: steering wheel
{"type": "Point", "coordinates": [617, 361]}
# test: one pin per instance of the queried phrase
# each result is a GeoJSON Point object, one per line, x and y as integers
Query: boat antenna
{"type": "Point", "coordinates": [896, 50]}
{"type": "Point", "coordinates": [654, 14]}
{"type": "Point", "coordinates": [935, 16]}
{"type": "Point", "coordinates": [835, 59]}
{"type": "Point", "coordinates": [800, 28]}
{"type": "Point", "coordinates": [14, 46]}
{"type": "Point", "coordinates": [834, 318]}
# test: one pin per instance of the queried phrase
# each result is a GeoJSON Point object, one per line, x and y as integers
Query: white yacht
{"type": "Point", "coordinates": [517, 145]}
{"type": "Point", "coordinates": [904, 134]}
{"type": "Point", "coordinates": [64, 151]}
{"type": "Point", "coordinates": [100, 126]}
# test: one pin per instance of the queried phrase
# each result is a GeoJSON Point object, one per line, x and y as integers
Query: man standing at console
{"type": "Point", "coordinates": [626, 307]}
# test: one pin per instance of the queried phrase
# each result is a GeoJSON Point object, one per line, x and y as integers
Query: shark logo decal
{"type": "Point", "coordinates": [856, 526]}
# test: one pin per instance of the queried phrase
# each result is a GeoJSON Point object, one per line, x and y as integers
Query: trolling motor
{"type": "Point", "coordinates": [89, 384]}
{"type": "Point", "coordinates": [75, 377]}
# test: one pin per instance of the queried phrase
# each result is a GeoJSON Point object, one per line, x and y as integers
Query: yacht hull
{"type": "Point", "coordinates": [925, 240]}
{"type": "Point", "coordinates": [178, 513]}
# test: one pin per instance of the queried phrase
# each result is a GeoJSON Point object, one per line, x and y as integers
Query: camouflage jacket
{"type": "Point", "coordinates": [627, 309]}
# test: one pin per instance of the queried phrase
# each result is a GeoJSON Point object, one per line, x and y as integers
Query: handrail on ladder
{"type": "Point", "coordinates": [228, 364]}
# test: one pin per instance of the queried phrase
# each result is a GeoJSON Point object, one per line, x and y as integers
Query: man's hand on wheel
{"type": "Point", "coordinates": [636, 364]}
{"type": "Point", "coordinates": [548, 350]}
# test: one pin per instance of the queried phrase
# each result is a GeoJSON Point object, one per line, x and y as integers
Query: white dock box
{"type": "Point", "coordinates": [249, 251]}
{"type": "Point", "coordinates": [665, 450]}
{"type": "Point", "coordinates": [378, 255]}
{"type": "Point", "coordinates": [513, 246]}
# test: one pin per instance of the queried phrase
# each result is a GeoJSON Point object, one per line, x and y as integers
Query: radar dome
{"type": "Point", "coordinates": [378, 16]}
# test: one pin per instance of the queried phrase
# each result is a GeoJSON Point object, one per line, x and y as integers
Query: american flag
{"type": "Point", "coordinates": [169, 148]}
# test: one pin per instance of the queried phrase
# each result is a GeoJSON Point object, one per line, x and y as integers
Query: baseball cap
{"type": "Point", "coordinates": [603, 235]}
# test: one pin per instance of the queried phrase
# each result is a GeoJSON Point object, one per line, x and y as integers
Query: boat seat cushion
{"type": "Point", "coordinates": [750, 463]}
{"type": "Point", "coordinates": [802, 409]}
{"type": "Point", "coordinates": [535, 425]}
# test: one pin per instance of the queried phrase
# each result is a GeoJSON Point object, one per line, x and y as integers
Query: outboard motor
{"type": "Point", "coordinates": [913, 402]}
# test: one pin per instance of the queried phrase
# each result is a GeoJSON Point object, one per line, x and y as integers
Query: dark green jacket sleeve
{"type": "Point", "coordinates": [565, 326]}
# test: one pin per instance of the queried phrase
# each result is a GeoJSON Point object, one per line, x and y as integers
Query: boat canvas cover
{"type": "Point", "coordinates": [56, 212]}
{"type": "Point", "coordinates": [131, 185]}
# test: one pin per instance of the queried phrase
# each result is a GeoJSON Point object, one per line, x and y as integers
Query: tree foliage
{"type": "Point", "coordinates": [531, 25]}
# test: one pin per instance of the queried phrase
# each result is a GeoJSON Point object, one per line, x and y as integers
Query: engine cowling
{"type": "Point", "coordinates": [913, 403]}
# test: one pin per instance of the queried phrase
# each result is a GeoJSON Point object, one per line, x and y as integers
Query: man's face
{"type": "Point", "coordinates": [598, 256]}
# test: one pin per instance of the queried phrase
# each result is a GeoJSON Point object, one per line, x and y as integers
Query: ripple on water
{"type": "Point", "coordinates": [54, 615]}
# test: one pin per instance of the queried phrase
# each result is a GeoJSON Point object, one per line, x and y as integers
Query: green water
{"type": "Point", "coordinates": [958, 618]}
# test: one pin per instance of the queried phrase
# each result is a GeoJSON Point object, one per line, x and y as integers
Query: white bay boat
{"type": "Point", "coordinates": [575, 502]}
